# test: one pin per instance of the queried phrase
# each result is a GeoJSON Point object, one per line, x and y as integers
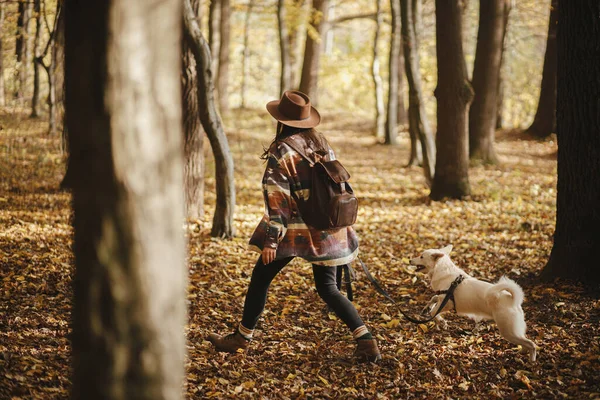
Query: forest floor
{"type": "Point", "coordinates": [300, 351]}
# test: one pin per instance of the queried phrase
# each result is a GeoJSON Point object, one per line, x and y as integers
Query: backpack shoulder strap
{"type": "Point", "coordinates": [299, 147]}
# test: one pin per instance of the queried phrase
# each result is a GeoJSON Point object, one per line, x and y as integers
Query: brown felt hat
{"type": "Point", "coordinates": [294, 110]}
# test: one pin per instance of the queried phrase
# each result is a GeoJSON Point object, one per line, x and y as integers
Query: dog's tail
{"type": "Point", "coordinates": [510, 286]}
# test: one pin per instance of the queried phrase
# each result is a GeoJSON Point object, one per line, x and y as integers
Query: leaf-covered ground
{"type": "Point", "coordinates": [300, 351]}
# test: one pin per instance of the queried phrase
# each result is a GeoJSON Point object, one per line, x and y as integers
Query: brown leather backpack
{"type": "Point", "coordinates": [331, 203]}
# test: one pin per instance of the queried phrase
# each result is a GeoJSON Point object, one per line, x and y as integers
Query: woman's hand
{"type": "Point", "coordinates": [268, 255]}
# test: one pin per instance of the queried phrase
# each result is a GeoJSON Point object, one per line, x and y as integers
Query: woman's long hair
{"type": "Point", "coordinates": [283, 131]}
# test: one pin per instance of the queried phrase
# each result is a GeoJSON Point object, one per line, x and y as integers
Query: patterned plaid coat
{"type": "Point", "coordinates": [287, 175]}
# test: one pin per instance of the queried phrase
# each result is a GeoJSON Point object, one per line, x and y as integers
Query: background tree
{"type": "Point", "coordinates": [544, 122]}
{"type": "Point", "coordinates": [486, 75]}
{"type": "Point", "coordinates": [211, 121]}
{"type": "Point", "coordinates": [35, 98]}
{"type": "Point", "coordinates": [124, 122]}
{"type": "Point", "coordinates": [23, 49]}
{"type": "Point", "coordinates": [501, 83]}
{"type": "Point", "coordinates": [422, 141]}
{"type": "Point", "coordinates": [285, 80]}
{"type": "Point", "coordinates": [574, 254]}
{"type": "Point", "coordinates": [391, 122]}
{"type": "Point", "coordinates": [2, 82]}
{"type": "Point", "coordinates": [214, 19]}
{"type": "Point", "coordinates": [193, 133]}
{"type": "Point", "coordinates": [223, 65]}
{"type": "Point", "coordinates": [453, 94]}
{"type": "Point", "coordinates": [246, 52]}
{"type": "Point", "coordinates": [312, 50]}
{"type": "Point", "coordinates": [377, 82]}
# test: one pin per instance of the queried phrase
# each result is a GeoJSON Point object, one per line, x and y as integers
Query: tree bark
{"type": "Point", "coordinates": [544, 122]}
{"type": "Point", "coordinates": [246, 52]}
{"type": "Point", "coordinates": [391, 123]}
{"type": "Point", "coordinates": [313, 49]}
{"type": "Point", "coordinates": [35, 99]}
{"type": "Point", "coordinates": [402, 117]}
{"type": "Point", "coordinates": [124, 125]}
{"type": "Point", "coordinates": [2, 86]}
{"type": "Point", "coordinates": [22, 50]}
{"type": "Point", "coordinates": [214, 18]}
{"type": "Point", "coordinates": [293, 39]}
{"type": "Point", "coordinates": [223, 217]}
{"type": "Point", "coordinates": [285, 81]}
{"type": "Point", "coordinates": [500, 96]}
{"type": "Point", "coordinates": [377, 82]}
{"type": "Point", "coordinates": [193, 133]}
{"type": "Point", "coordinates": [453, 94]}
{"type": "Point", "coordinates": [422, 141]}
{"type": "Point", "coordinates": [574, 254]}
{"type": "Point", "coordinates": [486, 73]}
{"type": "Point", "coordinates": [225, 39]}
{"type": "Point", "coordinates": [57, 75]}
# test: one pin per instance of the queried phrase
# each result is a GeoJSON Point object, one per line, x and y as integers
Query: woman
{"type": "Point", "coordinates": [282, 234]}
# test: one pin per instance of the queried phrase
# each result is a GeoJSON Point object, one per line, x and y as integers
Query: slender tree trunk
{"type": "Point", "coordinates": [223, 217]}
{"type": "Point", "coordinates": [486, 73]}
{"type": "Point", "coordinates": [377, 82]}
{"type": "Point", "coordinates": [453, 94]}
{"type": "Point", "coordinates": [35, 99]}
{"type": "Point", "coordinates": [124, 119]}
{"type": "Point", "coordinates": [500, 96]}
{"type": "Point", "coordinates": [285, 81]}
{"type": "Point", "coordinates": [193, 133]}
{"type": "Point", "coordinates": [2, 87]}
{"type": "Point", "coordinates": [422, 141]}
{"type": "Point", "coordinates": [223, 74]}
{"type": "Point", "coordinates": [391, 123]}
{"type": "Point", "coordinates": [313, 49]}
{"type": "Point", "coordinates": [574, 255]}
{"type": "Point", "coordinates": [23, 51]}
{"type": "Point", "coordinates": [57, 76]}
{"type": "Point", "coordinates": [293, 39]}
{"type": "Point", "coordinates": [544, 122]}
{"type": "Point", "coordinates": [246, 55]}
{"type": "Point", "coordinates": [402, 117]}
{"type": "Point", "coordinates": [214, 19]}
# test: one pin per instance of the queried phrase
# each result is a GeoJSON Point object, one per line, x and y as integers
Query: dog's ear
{"type": "Point", "coordinates": [446, 250]}
{"type": "Point", "coordinates": [437, 256]}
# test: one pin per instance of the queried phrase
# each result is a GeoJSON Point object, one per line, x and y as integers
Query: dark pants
{"type": "Point", "coordinates": [325, 282]}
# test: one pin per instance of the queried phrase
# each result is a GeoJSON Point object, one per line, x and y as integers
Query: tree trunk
{"type": "Point", "coordinates": [246, 52]}
{"type": "Point", "coordinates": [486, 73]}
{"type": "Point", "coordinates": [193, 134]}
{"type": "Point", "coordinates": [223, 218]}
{"type": "Point", "coordinates": [23, 52]}
{"type": "Point", "coordinates": [214, 18]}
{"type": "Point", "coordinates": [312, 50]}
{"type": "Point", "coordinates": [124, 124]}
{"type": "Point", "coordinates": [57, 75]}
{"type": "Point", "coordinates": [2, 87]}
{"type": "Point", "coordinates": [402, 117]}
{"type": "Point", "coordinates": [422, 141]}
{"type": "Point", "coordinates": [391, 123]}
{"type": "Point", "coordinates": [35, 99]}
{"type": "Point", "coordinates": [293, 39]}
{"type": "Point", "coordinates": [377, 82]}
{"type": "Point", "coordinates": [453, 94]}
{"type": "Point", "coordinates": [544, 122]}
{"type": "Point", "coordinates": [223, 74]}
{"type": "Point", "coordinates": [285, 82]}
{"type": "Point", "coordinates": [500, 96]}
{"type": "Point", "coordinates": [574, 255]}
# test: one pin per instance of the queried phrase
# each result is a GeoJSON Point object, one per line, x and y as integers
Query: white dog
{"type": "Point", "coordinates": [477, 299]}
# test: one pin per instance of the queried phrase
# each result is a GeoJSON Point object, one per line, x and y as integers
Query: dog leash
{"type": "Point", "coordinates": [449, 295]}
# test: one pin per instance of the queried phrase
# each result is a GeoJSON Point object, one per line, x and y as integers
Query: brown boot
{"type": "Point", "coordinates": [367, 351]}
{"type": "Point", "coordinates": [230, 343]}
